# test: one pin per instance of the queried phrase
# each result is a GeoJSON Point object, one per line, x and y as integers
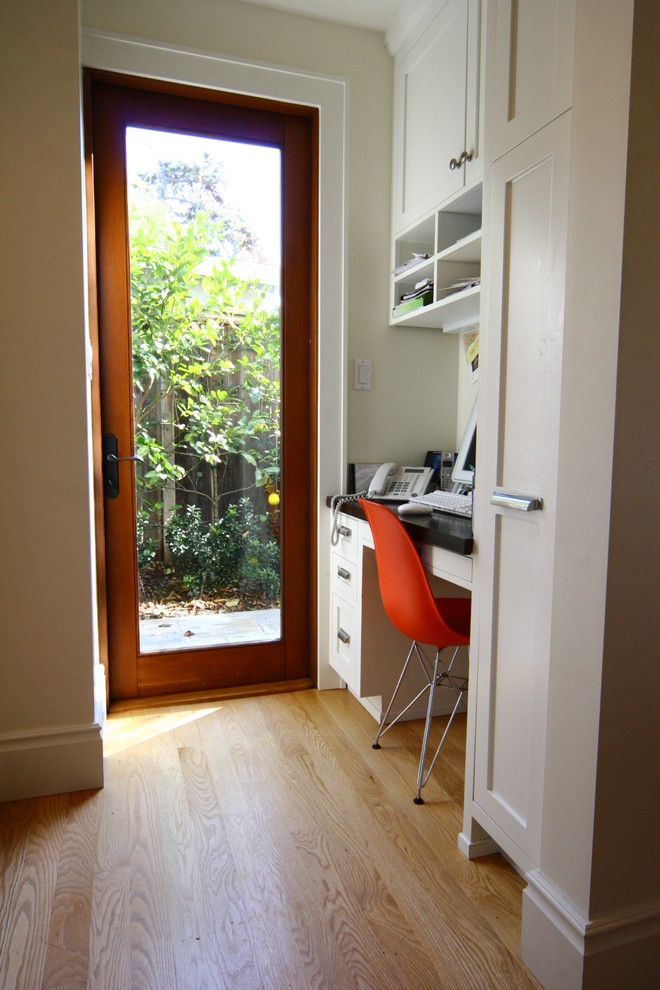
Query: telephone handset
{"type": "Point", "coordinates": [398, 484]}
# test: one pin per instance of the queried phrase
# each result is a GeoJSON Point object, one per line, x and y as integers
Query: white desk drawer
{"type": "Point", "coordinates": [348, 537]}
{"type": "Point", "coordinates": [344, 645]}
{"type": "Point", "coordinates": [445, 564]}
{"type": "Point", "coordinates": [344, 577]}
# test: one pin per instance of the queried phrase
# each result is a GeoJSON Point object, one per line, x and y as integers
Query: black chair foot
{"type": "Point", "coordinates": [418, 800]}
{"type": "Point", "coordinates": [375, 746]}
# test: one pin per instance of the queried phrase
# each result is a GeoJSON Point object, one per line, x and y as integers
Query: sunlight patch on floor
{"type": "Point", "coordinates": [123, 731]}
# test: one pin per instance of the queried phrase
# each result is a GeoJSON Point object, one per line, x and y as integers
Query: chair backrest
{"type": "Point", "coordinates": [404, 586]}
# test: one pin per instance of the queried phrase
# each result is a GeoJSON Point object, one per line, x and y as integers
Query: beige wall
{"type": "Point", "coordinates": [412, 405]}
{"type": "Point", "coordinates": [48, 657]}
{"type": "Point", "coordinates": [47, 654]}
{"type": "Point", "coordinates": [627, 793]}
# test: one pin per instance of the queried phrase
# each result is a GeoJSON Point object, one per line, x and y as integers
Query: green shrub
{"type": "Point", "coordinates": [146, 545]}
{"type": "Point", "coordinates": [228, 554]}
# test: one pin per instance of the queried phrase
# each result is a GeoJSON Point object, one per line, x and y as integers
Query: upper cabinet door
{"type": "Point", "coordinates": [530, 68]}
{"type": "Point", "coordinates": [437, 112]}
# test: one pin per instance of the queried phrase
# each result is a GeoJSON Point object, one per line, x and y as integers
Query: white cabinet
{"type": "Point", "coordinates": [345, 583]}
{"type": "Point", "coordinates": [519, 421]}
{"type": "Point", "coordinates": [436, 112]}
{"type": "Point", "coordinates": [451, 239]}
{"type": "Point", "coordinates": [530, 44]}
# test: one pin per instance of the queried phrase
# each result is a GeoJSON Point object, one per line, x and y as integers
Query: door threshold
{"type": "Point", "coordinates": [218, 694]}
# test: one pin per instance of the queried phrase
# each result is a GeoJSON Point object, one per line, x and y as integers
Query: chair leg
{"type": "Point", "coordinates": [422, 779]}
{"type": "Point", "coordinates": [425, 665]}
{"type": "Point", "coordinates": [418, 799]}
{"type": "Point", "coordinates": [381, 727]}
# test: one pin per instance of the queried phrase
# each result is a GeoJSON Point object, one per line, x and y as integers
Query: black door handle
{"type": "Point", "coordinates": [111, 465]}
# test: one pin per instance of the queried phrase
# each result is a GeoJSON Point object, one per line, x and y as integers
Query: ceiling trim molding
{"type": "Point", "coordinates": [411, 16]}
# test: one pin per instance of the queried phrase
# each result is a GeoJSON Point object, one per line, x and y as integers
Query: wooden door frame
{"type": "Point", "coordinates": [308, 313]}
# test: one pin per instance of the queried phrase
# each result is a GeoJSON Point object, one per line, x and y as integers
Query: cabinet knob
{"type": "Point", "coordinates": [345, 531]}
{"type": "Point", "coordinates": [343, 573]}
{"type": "Point", "coordinates": [457, 162]}
{"type": "Point", "coordinates": [343, 636]}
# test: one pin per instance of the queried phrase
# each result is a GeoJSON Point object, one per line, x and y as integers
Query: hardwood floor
{"type": "Point", "coordinates": [257, 843]}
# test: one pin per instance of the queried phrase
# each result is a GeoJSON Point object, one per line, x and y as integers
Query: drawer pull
{"type": "Point", "coordinates": [510, 500]}
{"type": "Point", "coordinates": [343, 573]}
{"type": "Point", "coordinates": [345, 531]}
{"type": "Point", "coordinates": [343, 635]}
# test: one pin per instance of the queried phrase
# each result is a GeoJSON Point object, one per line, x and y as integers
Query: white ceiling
{"type": "Point", "coordinates": [375, 14]}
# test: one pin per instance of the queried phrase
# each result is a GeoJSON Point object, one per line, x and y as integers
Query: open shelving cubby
{"type": "Point", "coordinates": [450, 237]}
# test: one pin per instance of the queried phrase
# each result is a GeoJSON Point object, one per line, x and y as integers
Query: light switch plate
{"type": "Point", "coordinates": [362, 374]}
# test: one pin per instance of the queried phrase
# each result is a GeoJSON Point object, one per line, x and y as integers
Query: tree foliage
{"type": "Point", "coordinates": [189, 188]}
{"type": "Point", "coordinates": [205, 351]}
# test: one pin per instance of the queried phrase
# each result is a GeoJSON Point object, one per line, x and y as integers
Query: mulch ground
{"type": "Point", "coordinates": [162, 594]}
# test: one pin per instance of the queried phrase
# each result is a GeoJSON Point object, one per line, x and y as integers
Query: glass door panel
{"type": "Point", "coordinates": [205, 235]}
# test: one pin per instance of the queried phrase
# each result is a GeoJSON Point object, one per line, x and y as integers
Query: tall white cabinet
{"type": "Point", "coordinates": [562, 710]}
{"type": "Point", "coordinates": [525, 243]}
{"type": "Point", "coordinates": [546, 777]}
{"type": "Point", "coordinates": [518, 464]}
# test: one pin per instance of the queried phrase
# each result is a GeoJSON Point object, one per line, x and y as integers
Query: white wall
{"type": "Point", "coordinates": [412, 405]}
{"type": "Point", "coordinates": [48, 737]}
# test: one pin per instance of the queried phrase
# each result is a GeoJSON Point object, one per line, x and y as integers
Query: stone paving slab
{"type": "Point", "coordinates": [224, 629]}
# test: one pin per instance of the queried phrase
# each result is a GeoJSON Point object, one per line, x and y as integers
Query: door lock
{"type": "Point", "coordinates": [111, 465]}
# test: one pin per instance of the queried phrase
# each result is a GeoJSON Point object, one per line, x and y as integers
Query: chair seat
{"type": "Point", "coordinates": [456, 613]}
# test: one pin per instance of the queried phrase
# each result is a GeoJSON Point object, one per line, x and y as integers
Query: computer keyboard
{"type": "Point", "coordinates": [458, 505]}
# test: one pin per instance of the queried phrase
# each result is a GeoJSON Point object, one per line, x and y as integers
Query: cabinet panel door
{"type": "Point", "coordinates": [530, 68]}
{"type": "Point", "coordinates": [431, 94]}
{"type": "Point", "coordinates": [518, 452]}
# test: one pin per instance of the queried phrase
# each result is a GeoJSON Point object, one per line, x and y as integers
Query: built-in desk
{"type": "Point", "coordinates": [365, 649]}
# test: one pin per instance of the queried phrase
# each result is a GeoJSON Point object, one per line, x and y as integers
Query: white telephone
{"type": "Point", "coordinates": [398, 484]}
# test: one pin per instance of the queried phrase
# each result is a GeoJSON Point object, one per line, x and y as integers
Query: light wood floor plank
{"type": "Point", "coordinates": [256, 844]}
{"type": "Point", "coordinates": [225, 937]}
{"type": "Point", "coordinates": [22, 964]}
{"type": "Point", "coordinates": [15, 823]}
{"type": "Point", "coordinates": [68, 938]}
{"type": "Point", "coordinates": [152, 952]}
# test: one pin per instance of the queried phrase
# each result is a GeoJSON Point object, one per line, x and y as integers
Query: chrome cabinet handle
{"type": "Point", "coordinates": [345, 531]}
{"type": "Point", "coordinates": [343, 573]}
{"type": "Point", "coordinates": [343, 636]}
{"type": "Point", "coordinates": [511, 500]}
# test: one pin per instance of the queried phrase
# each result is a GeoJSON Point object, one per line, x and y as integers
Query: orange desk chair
{"type": "Point", "coordinates": [410, 605]}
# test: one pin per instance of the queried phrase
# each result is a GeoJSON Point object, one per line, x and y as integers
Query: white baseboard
{"type": "Point", "coordinates": [51, 761]}
{"type": "Point", "coordinates": [474, 849]}
{"type": "Point", "coordinates": [566, 951]}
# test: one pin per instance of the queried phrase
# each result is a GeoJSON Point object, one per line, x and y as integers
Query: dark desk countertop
{"type": "Point", "coordinates": [439, 529]}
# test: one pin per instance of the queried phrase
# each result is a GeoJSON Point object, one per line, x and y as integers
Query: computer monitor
{"type": "Point", "coordinates": [466, 460]}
